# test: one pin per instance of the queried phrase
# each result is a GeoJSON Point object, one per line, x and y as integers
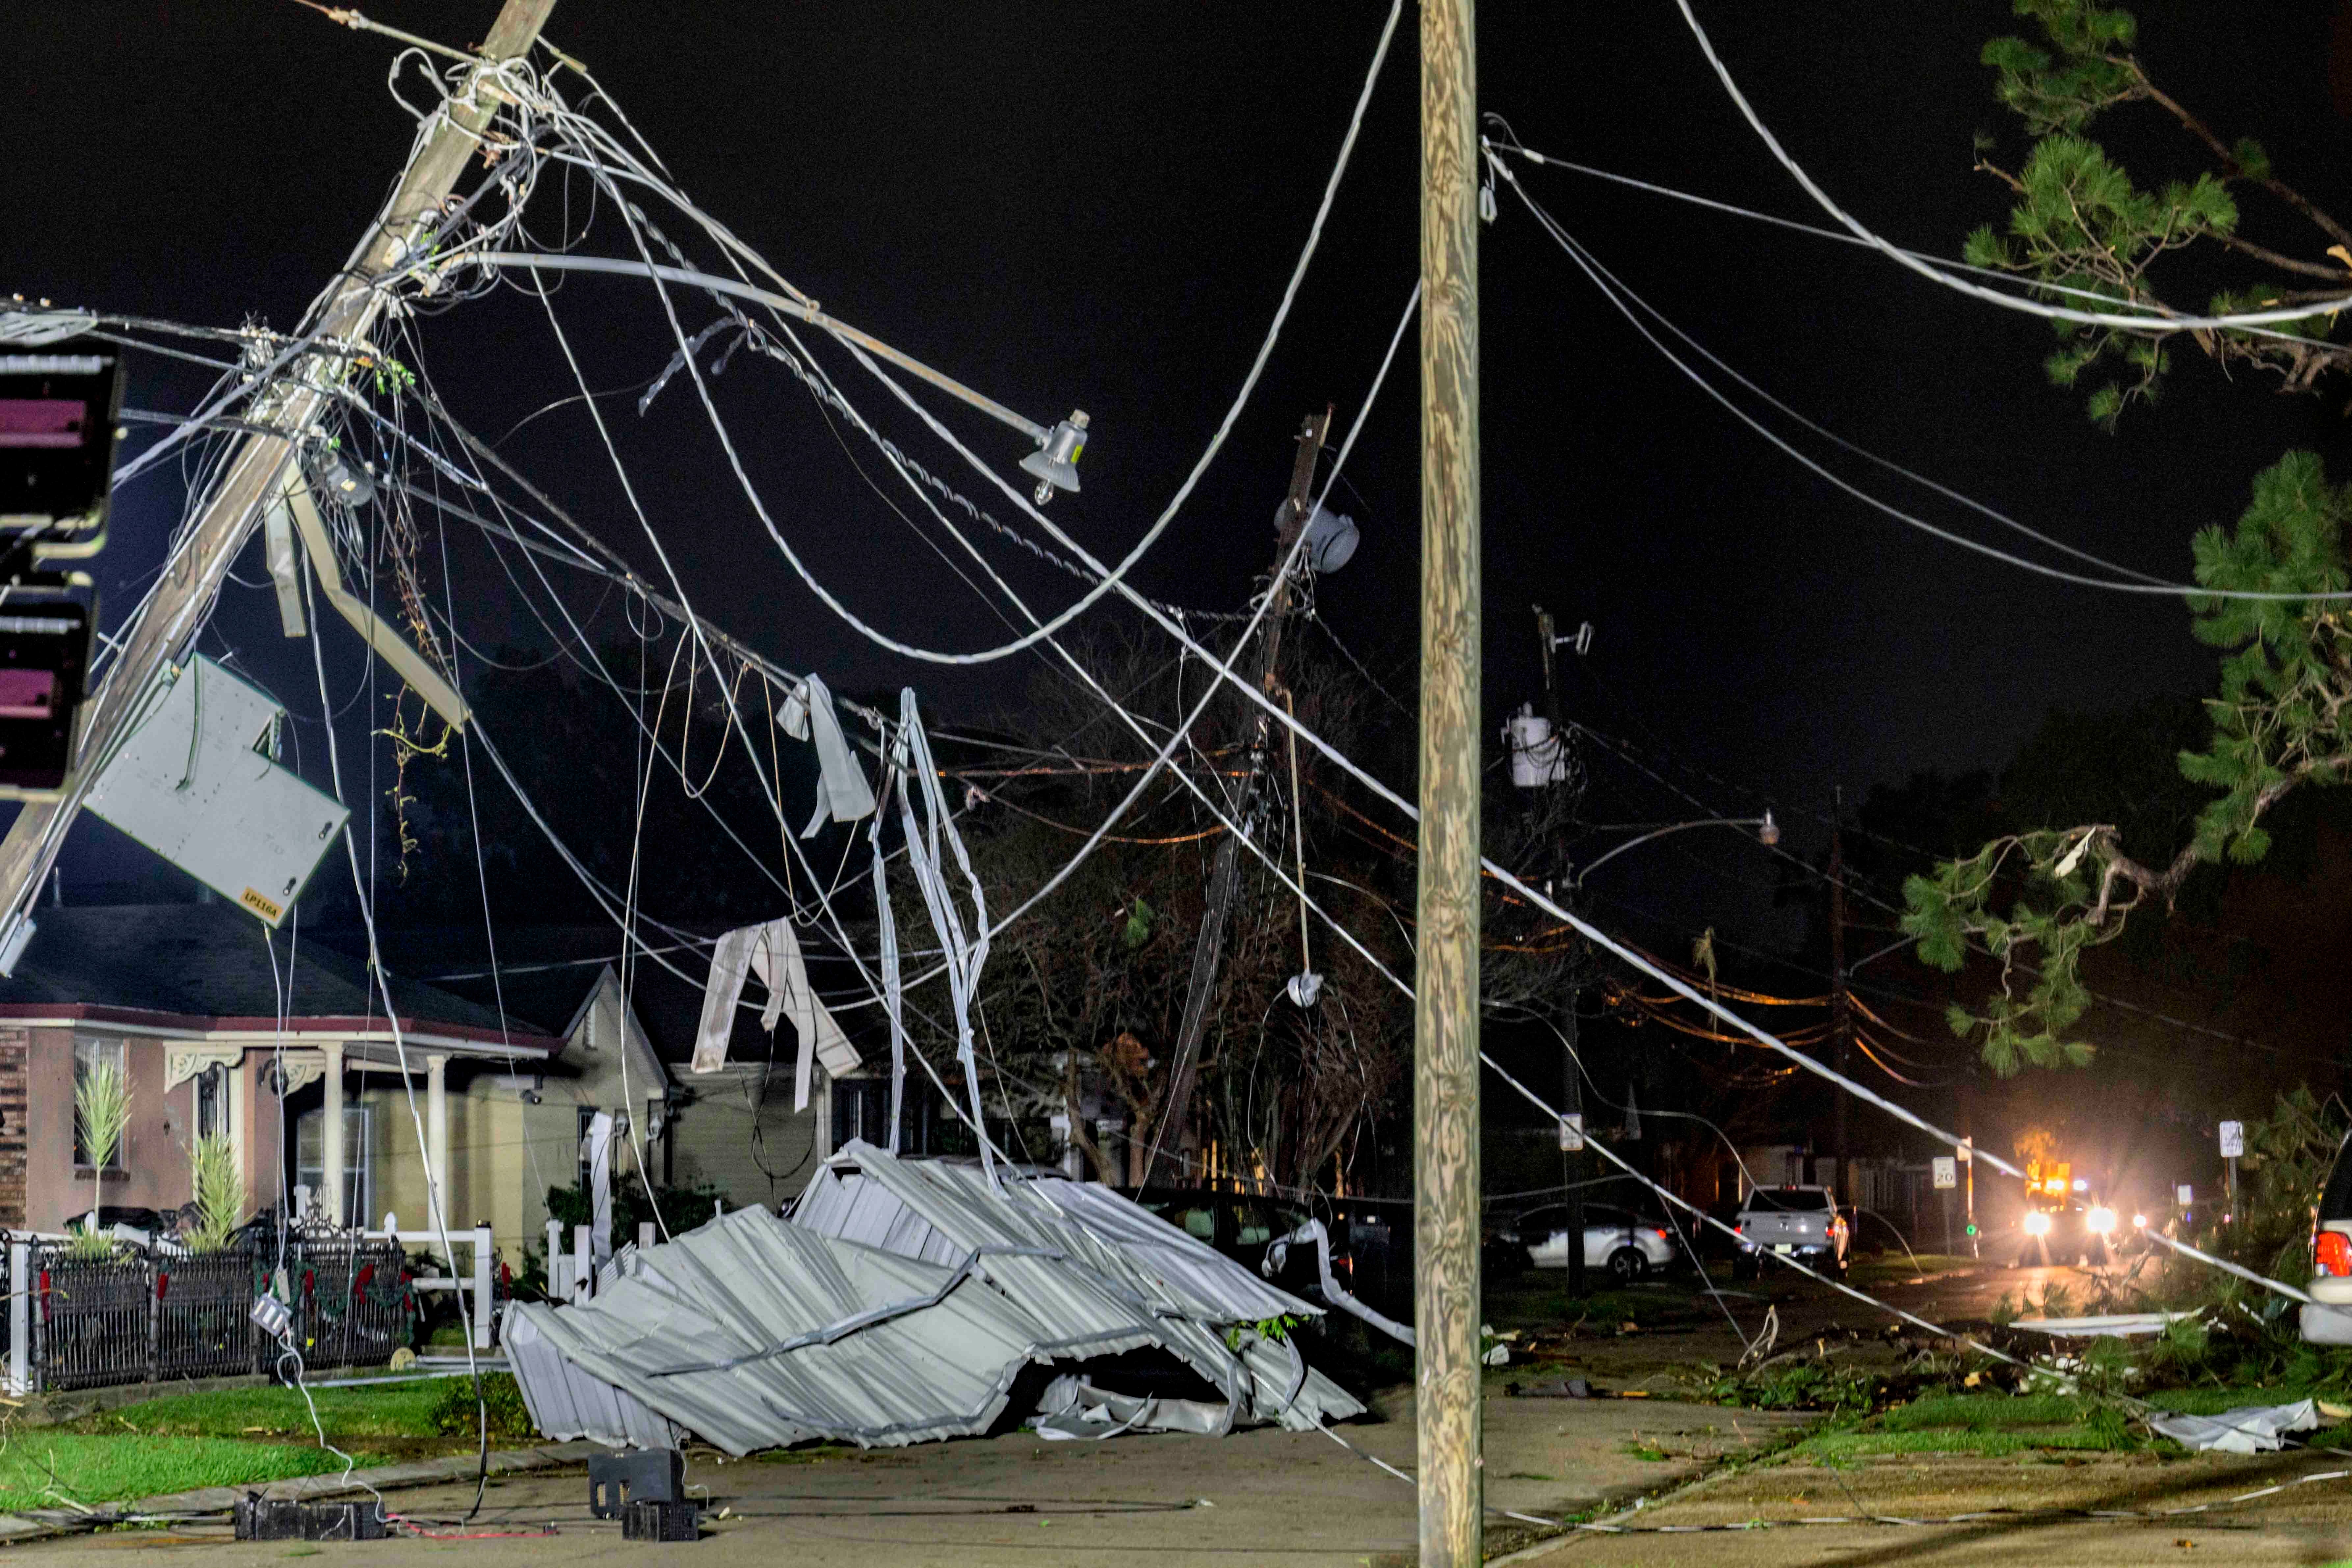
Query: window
{"type": "Point", "coordinates": [581, 1117]}
{"type": "Point", "coordinates": [861, 1108]}
{"type": "Point", "coordinates": [88, 1054]}
{"type": "Point", "coordinates": [310, 1161]}
{"type": "Point", "coordinates": [212, 1102]}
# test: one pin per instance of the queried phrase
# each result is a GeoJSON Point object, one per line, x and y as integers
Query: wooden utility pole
{"type": "Point", "coordinates": [1445, 984]}
{"type": "Point", "coordinates": [1225, 873]}
{"type": "Point", "coordinates": [340, 315]}
{"type": "Point", "coordinates": [1840, 1010]}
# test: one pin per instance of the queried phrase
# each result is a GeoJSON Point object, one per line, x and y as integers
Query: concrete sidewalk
{"type": "Point", "coordinates": [2041, 1510]}
{"type": "Point", "coordinates": [1260, 1496]}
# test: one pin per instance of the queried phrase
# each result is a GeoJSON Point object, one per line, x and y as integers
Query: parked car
{"type": "Point", "coordinates": [2061, 1233]}
{"type": "Point", "coordinates": [1798, 1222]}
{"type": "Point", "coordinates": [1372, 1240]}
{"type": "Point", "coordinates": [1630, 1245]}
{"type": "Point", "coordinates": [2327, 1318]}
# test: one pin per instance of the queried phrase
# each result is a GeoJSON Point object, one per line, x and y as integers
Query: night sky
{"type": "Point", "coordinates": [1069, 207]}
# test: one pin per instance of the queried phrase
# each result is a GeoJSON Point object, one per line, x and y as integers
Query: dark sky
{"type": "Point", "coordinates": [1074, 207]}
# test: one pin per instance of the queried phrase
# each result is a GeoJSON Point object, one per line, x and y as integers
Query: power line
{"type": "Point", "coordinates": [2159, 320]}
{"type": "Point", "coordinates": [1617, 293]}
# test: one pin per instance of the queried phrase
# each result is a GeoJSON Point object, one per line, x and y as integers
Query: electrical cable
{"type": "Point", "coordinates": [2165, 321]}
{"type": "Point", "coordinates": [1618, 294]}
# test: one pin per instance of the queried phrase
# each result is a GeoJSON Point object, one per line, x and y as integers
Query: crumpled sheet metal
{"type": "Point", "coordinates": [566, 1402]}
{"type": "Point", "coordinates": [2248, 1429]}
{"type": "Point", "coordinates": [1103, 1246]}
{"type": "Point", "coordinates": [752, 1333]}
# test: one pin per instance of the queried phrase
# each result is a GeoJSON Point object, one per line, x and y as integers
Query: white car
{"type": "Point", "coordinates": [1802, 1223]}
{"type": "Point", "coordinates": [1617, 1239]}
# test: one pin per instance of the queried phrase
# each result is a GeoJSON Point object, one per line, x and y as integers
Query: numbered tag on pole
{"type": "Point", "coordinates": [1571, 1133]}
{"type": "Point", "coordinates": [1948, 1171]}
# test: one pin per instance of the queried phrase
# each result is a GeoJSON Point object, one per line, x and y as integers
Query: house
{"type": "Point", "coordinates": [283, 1047]}
{"type": "Point", "coordinates": [734, 1132]}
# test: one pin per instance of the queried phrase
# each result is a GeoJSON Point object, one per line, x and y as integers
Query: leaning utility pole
{"type": "Point", "coordinates": [1840, 1010]}
{"type": "Point", "coordinates": [1575, 1166]}
{"type": "Point", "coordinates": [1225, 873]}
{"type": "Point", "coordinates": [1445, 982]}
{"type": "Point", "coordinates": [340, 316]}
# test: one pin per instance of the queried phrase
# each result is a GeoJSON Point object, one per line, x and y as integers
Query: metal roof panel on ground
{"type": "Point", "coordinates": [1103, 1248]}
{"type": "Point", "coordinates": [753, 1333]}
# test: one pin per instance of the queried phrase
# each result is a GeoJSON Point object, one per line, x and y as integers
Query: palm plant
{"type": "Point", "coordinates": [220, 1196]}
{"type": "Point", "coordinates": [102, 1109]}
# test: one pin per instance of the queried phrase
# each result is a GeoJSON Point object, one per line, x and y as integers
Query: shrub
{"type": "Point", "coordinates": [454, 1414]}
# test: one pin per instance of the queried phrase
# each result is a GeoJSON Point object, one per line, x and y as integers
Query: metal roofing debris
{"type": "Point", "coordinates": [2247, 1429]}
{"type": "Point", "coordinates": [2115, 1325]}
{"type": "Point", "coordinates": [752, 1332]}
{"type": "Point", "coordinates": [940, 1210]}
{"type": "Point", "coordinates": [897, 1305]}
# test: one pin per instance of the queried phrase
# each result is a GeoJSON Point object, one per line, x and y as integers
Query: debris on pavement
{"type": "Point", "coordinates": [900, 1303]}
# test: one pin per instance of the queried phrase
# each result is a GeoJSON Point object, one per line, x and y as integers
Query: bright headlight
{"type": "Point", "coordinates": [2036, 1222]}
{"type": "Point", "coordinates": [2139, 1222]}
{"type": "Point", "coordinates": [2100, 1220]}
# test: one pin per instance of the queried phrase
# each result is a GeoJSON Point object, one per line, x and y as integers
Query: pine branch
{"type": "Point", "coordinates": [2229, 159]}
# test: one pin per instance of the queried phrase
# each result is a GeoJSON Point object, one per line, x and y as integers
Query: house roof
{"type": "Point", "coordinates": [202, 969]}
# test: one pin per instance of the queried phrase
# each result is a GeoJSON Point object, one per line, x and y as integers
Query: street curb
{"type": "Point", "coordinates": [44, 1524]}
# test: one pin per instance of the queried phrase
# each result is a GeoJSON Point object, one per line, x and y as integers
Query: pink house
{"type": "Point", "coordinates": [219, 1026]}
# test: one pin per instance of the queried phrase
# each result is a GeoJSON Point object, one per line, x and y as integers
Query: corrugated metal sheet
{"type": "Point", "coordinates": [1090, 1244]}
{"type": "Point", "coordinates": [754, 1332]}
{"type": "Point", "coordinates": [566, 1402]}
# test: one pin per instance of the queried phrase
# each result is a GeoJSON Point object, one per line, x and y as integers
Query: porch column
{"type": "Point", "coordinates": [331, 1136]}
{"type": "Point", "coordinates": [436, 1141]}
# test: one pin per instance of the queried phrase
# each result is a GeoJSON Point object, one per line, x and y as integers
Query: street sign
{"type": "Point", "coordinates": [2233, 1140]}
{"type": "Point", "coordinates": [2184, 1194]}
{"type": "Point", "coordinates": [1948, 1171]}
{"type": "Point", "coordinates": [1571, 1133]}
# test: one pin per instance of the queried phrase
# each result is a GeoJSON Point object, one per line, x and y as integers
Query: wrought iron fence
{"type": "Point", "coordinates": [92, 1323]}
{"type": "Point", "coordinates": [351, 1303]}
{"type": "Point", "coordinates": [140, 1318]}
{"type": "Point", "coordinates": [203, 1314]}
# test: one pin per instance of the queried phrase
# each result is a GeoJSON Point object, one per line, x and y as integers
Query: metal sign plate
{"type": "Point", "coordinates": [197, 784]}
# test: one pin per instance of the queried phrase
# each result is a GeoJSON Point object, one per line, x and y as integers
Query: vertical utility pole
{"type": "Point", "coordinates": [1840, 1010]}
{"type": "Point", "coordinates": [1225, 874]}
{"type": "Point", "coordinates": [1578, 1165]}
{"type": "Point", "coordinates": [1445, 986]}
{"type": "Point", "coordinates": [252, 475]}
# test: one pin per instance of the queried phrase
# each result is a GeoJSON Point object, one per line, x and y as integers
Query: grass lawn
{"type": "Point", "coordinates": [384, 1410]}
{"type": "Point", "coordinates": [230, 1437]}
{"type": "Point", "coordinates": [1995, 1424]}
{"type": "Point", "coordinates": [39, 1468]}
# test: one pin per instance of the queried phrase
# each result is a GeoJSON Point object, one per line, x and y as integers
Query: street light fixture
{"type": "Point", "coordinates": [1767, 833]}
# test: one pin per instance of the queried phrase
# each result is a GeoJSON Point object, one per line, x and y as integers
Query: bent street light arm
{"type": "Point", "coordinates": [803, 309]}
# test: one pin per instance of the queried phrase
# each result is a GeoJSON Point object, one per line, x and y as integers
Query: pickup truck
{"type": "Point", "coordinates": [1799, 1221]}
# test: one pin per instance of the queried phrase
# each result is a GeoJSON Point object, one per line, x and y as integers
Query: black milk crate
{"type": "Point", "coordinates": [636, 1474]}
{"type": "Point", "coordinates": [659, 1521]}
{"type": "Point", "coordinates": [269, 1518]}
